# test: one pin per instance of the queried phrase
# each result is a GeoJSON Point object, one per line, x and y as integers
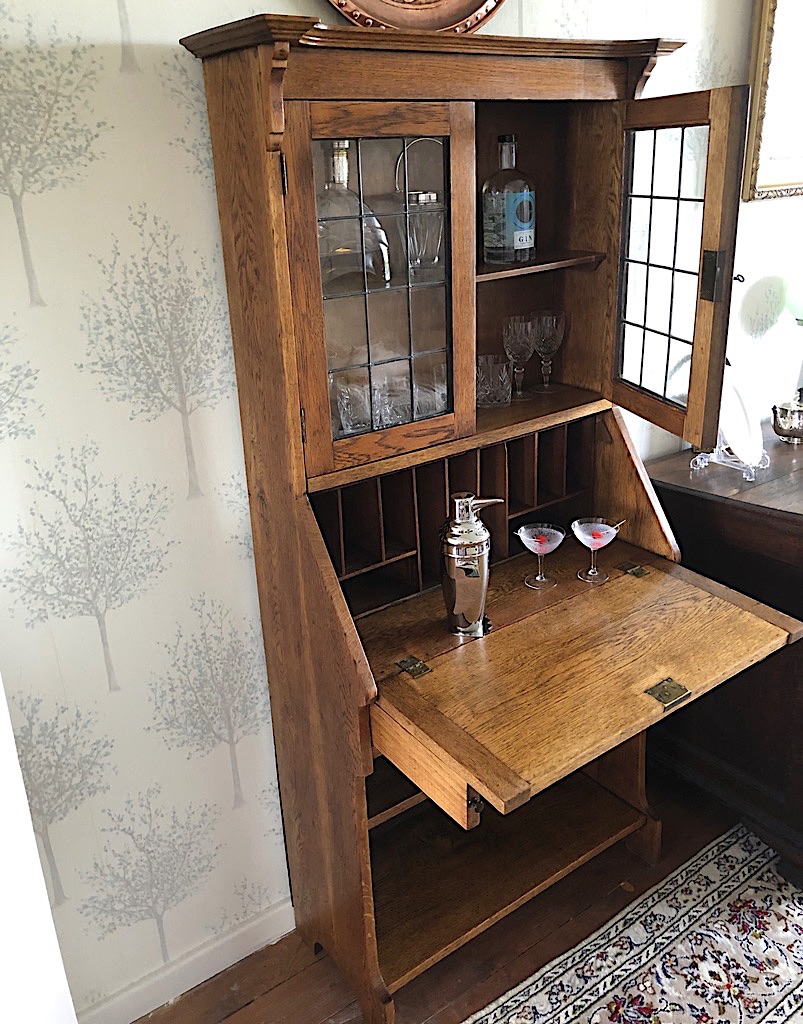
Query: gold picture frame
{"type": "Point", "coordinates": [774, 156]}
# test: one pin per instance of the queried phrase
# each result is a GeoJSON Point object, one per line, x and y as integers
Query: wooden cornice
{"type": "Point", "coordinates": [248, 32]}
{"type": "Point", "coordinates": [272, 28]}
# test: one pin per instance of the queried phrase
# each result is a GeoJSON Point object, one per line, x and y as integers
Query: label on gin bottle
{"type": "Point", "coordinates": [508, 221]}
{"type": "Point", "coordinates": [520, 219]}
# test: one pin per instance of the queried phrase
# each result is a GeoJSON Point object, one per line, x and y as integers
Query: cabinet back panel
{"type": "Point", "coordinates": [540, 130]}
{"type": "Point", "coordinates": [464, 473]}
{"type": "Point", "coordinates": [398, 512]}
{"type": "Point", "coordinates": [362, 525]}
{"type": "Point", "coordinates": [579, 455]}
{"type": "Point", "coordinates": [522, 454]}
{"type": "Point", "coordinates": [494, 484]}
{"type": "Point", "coordinates": [552, 465]}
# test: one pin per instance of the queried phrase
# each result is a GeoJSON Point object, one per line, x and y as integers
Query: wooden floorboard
{"type": "Point", "coordinates": [480, 972]}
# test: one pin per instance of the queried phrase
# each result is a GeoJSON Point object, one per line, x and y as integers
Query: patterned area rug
{"type": "Point", "coordinates": [718, 942]}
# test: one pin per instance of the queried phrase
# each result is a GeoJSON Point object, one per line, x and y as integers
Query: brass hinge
{"type": "Point", "coordinates": [413, 666]}
{"type": "Point", "coordinates": [668, 692]}
{"type": "Point", "coordinates": [283, 163]}
{"type": "Point", "coordinates": [711, 276]}
{"type": "Point", "coordinates": [633, 569]}
{"type": "Point", "coordinates": [303, 426]}
{"type": "Point", "coordinates": [474, 801]}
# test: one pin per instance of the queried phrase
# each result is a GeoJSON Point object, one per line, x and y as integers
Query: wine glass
{"type": "Point", "coordinates": [549, 329]}
{"type": "Point", "coordinates": [518, 338]}
{"type": "Point", "coordinates": [595, 533]}
{"type": "Point", "coordinates": [540, 538]}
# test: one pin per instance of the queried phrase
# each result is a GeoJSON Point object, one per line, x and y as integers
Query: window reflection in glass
{"type": "Point", "coordinates": [382, 218]}
{"type": "Point", "coordinates": [660, 264]}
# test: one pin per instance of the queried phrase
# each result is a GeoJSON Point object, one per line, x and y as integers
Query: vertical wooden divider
{"type": "Point", "coordinates": [494, 484]}
{"type": "Point", "coordinates": [417, 530]}
{"type": "Point", "coordinates": [383, 548]}
{"type": "Point", "coordinates": [433, 503]}
{"type": "Point", "coordinates": [342, 543]}
{"type": "Point", "coordinates": [536, 457]}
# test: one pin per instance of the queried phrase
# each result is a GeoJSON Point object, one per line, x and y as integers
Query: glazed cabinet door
{"type": "Point", "coordinates": [381, 239]}
{"type": "Point", "coordinates": [682, 168]}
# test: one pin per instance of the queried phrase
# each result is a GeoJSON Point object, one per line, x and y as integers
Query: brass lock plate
{"type": "Point", "coordinates": [668, 692]}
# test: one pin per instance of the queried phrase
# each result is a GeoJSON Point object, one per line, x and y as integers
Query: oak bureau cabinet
{"type": "Point", "coordinates": [423, 801]}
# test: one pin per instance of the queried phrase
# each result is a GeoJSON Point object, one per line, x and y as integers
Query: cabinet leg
{"type": "Point", "coordinates": [376, 1010]}
{"type": "Point", "coordinates": [646, 842]}
{"type": "Point", "coordinates": [623, 771]}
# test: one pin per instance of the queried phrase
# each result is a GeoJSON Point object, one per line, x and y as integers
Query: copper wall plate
{"type": "Point", "coordinates": [419, 15]}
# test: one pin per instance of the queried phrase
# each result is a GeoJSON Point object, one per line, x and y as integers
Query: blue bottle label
{"type": "Point", "coordinates": [520, 219]}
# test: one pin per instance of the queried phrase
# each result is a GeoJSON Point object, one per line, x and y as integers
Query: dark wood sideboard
{"type": "Point", "coordinates": [744, 743]}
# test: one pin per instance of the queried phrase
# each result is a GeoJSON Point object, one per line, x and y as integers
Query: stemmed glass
{"type": "Point", "coordinates": [518, 338]}
{"type": "Point", "coordinates": [595, 533]}
{"type": "Point", "coordinates": [549, 329]}
{"type": "Point", "coordinates": [541, 539]}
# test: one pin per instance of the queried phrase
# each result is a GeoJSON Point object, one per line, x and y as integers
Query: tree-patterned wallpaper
{"type": "Point", "coordinates": [131, 649]}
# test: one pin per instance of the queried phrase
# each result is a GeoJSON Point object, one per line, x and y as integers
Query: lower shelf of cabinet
{"type": "Point", "coordinates": [436, 886]}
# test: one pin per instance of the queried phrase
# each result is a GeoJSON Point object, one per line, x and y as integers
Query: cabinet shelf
{"type": "Point", "coordinates": [383, 533]}
{"type": "Point", "coordinates": [423, 871]}
{"type": "Point", "coordinates": [493, 426]}
{"type": "Point", "coordinates": [361, 568]}
{"type": "Point", "coordinates": [557, 259]}
{"type": "Point", "coordinates": [388, 793]}
{"type": "Point", "coordinates": [516, 512]}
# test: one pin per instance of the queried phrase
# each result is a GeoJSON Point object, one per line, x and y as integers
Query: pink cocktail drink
{"type": "Point", "coordinates": [594, 533]}
{"type": "Point", "coordinates": [541, 539]}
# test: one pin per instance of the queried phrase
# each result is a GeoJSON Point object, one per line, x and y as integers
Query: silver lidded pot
{"type": "Point", "coordinates": [465, 549]}
{"type": "Point", "coordinates": [787, 419]}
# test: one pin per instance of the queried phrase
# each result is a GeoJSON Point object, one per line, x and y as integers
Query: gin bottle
{"type": "Point", "coordinates": [508, 210]}
{"type": "Point", "coordinates": [353, 245]}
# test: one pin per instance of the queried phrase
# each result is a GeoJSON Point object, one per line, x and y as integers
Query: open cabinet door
{"type": "Point", "coordinates": [683, 162]}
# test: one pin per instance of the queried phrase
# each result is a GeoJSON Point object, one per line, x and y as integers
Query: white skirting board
{"type": "Point", "coordinates": [179, 976]}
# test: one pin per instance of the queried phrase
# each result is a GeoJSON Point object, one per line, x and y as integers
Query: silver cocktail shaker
{"type": "Point", "coordinates": [465, 547]}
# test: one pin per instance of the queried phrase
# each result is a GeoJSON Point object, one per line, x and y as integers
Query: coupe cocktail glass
{"type": "Point", "coordinates": [595, 533]}
{"type": "Point", "coordinates": [541, 539]}
{"type": "Point", "coordinates": [518, 339]}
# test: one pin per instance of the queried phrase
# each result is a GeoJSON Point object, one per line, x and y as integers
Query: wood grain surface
{"type": "Point", "coordinates": [431, 774]}
{"type": "Point", "coordinates": [549, 693]}
{"type": "Point", "coordinates": [623, 489]}
{"type": "Point", "coordinates": [438, 886]}
{"type": "Point", "coordinates": [268, 28]}
{"type": "Point", "coordinates": [309, 635]}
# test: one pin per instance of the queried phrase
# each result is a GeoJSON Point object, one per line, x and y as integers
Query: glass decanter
{"type": "Point", "coordinates": [353, 245]}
